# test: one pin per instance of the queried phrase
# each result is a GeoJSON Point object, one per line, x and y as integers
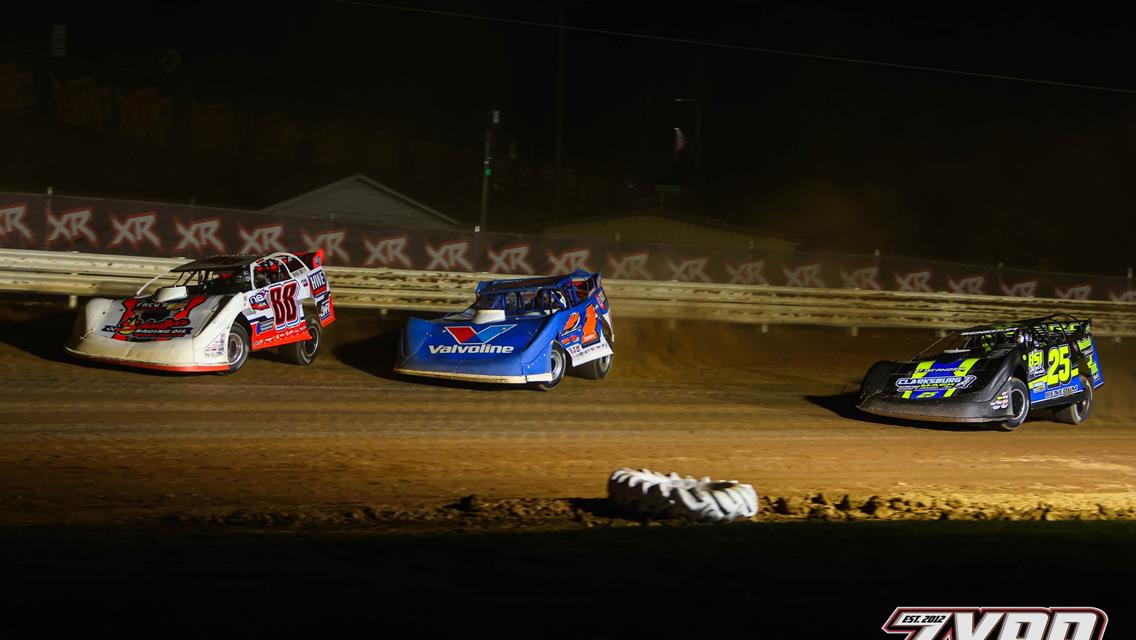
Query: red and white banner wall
{"type": "Point", "coordinates": [57, 223]}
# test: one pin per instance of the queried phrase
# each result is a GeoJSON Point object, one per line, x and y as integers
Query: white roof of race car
{"type": "Point", "coordinates": [218, 262]}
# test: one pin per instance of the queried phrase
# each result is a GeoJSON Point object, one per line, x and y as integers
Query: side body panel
{"type": "Point", "coordinates": [513, 348]}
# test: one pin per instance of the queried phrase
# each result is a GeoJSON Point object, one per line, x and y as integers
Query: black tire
{"type": "Point", "coordinates": [1079, 411]}
{"type": "Point", "coordinates": [304, 353]}
{"type": "Point", "coordinates": [595, 369]}
{"type": "Point", "coordinates": [599, 368]}
{"type": "Point", "coordinates": [1020, 403]}
{"type": "Point", "coordinates": [237, 348]}
{"type": "Point", "coordinates": [559, 366]}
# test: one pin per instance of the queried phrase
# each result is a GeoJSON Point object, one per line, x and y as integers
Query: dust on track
{"type": "Point", "coordinates": [91, 445]}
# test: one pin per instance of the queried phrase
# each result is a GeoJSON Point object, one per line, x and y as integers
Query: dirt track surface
{"type": "Point", "coordinates": [89, 444]}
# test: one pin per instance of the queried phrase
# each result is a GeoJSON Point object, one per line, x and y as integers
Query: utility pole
{"type": "Point", "coordinates": [698, 135]}
{"type": "Point", "coordinates": [487, 169]}
{"type": "Point", "coordinates": [558, 163]}
{"type": "Point", "coordinates": [697, 140]}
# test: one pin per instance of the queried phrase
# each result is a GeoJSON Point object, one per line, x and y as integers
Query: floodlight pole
{"type": "Point", "coordinates": [558, 151]}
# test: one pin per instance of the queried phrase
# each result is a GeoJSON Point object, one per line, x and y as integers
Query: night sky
{"type": "Point", "coordinates": [843, 156]}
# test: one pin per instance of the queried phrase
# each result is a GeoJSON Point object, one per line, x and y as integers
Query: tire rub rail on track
{"type": "Point", "coordinates": [85, 274]}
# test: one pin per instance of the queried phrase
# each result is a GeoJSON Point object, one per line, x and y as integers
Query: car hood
{"type": "Point", "coordinates": [946, 375]}
{"type": "Point", "coordinates": [144, 319]}
{"type": "Point", "coordinates": [459, 335]}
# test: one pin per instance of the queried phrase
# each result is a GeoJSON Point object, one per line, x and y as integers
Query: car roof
{"type": "Point", "coordinates": [217, 263]}
{"type": "Point", "coordinates": [1018, 324]}
{"type": "Point", "coordinates": [522, 284]}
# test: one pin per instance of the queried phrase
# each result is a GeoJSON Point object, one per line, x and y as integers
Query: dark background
{"type": "Point", "coordinates": [843, 156]}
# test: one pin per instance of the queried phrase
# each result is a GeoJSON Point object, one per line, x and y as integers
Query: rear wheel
{"type": "Point", "coordinates": [237, 348]}
{"type": "Point", "coordinates": [1019, 404]}
{"type": "Point", "coordinates": [599, 368]}
{"type": "Point", "coordinates": [596, 369]}
{"type": "Point", "coordinates": [1079, 411]}
{"type": "Point", "coordinates": [559, 364]}
{"type": "Point", "coordinates": [304, 352]}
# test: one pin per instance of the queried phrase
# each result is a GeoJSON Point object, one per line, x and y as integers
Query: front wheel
{"type": "Point", "coordinates": [1079, 411]}
{"type": "Point", "coordinates": [1019, 404]}
{"type": "Point", "coordinates": [305, 351]}
{"type": "Point", "coordinates": [237, 348]}
{"type": "Point", "coordinates": [558, 364]}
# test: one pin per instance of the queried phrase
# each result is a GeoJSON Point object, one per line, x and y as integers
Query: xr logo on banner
{"type": "Point", "coordinates": [806, 275]}
{"type": "Point", "coordinates": [1079, 292]}
{"type": "Point", "coordinates": [449, 256]}
{"type": "Point", "coordinates": [973, 285]}
{"type": "Point", "coordinates": [12, 222]}
{"type": "Point", "coordinates": [865, 278]}
{"type": "Point", "coordinates": [569, 261]}
{"type": "Point", "coordinates": [199, 235]}
{"type": "Point", "coordinates": [333, 243]}
{"type": "Point", "coordinates": [135, 229]}
{"type": "Point", "coordinates": [267, 238]}
{"type": "Point", "coordinates": [632, 266]}
{"type": "Point", "coordinates": [510, 259]}
{"type": "Point", "coordinates": [917, 281]}
{"type": "Point", "coordinates": [689, 270]}
{"type": "Point", "coordinates": [387, 252]}
{"type": "Point", "coordinates": [1027, 289]}
{"type": "Point", "coordinates": [747, 273]}
{"type": "Point", "coordinates": [71, 226]}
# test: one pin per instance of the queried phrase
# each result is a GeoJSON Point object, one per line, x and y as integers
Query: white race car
{"type": "Point", "coordinates": [216, 312]}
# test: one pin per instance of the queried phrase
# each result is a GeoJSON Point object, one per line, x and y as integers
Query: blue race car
{"type": "Point", "coordinates": [524, 331]}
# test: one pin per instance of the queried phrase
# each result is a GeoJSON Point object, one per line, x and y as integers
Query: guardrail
{"type": "Point", "coordinates": [84, 274]}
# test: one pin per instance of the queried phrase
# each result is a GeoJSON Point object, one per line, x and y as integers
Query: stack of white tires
{"type": "Point", "coordinates": [643, 492]}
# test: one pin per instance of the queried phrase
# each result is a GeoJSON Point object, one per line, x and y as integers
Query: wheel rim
{"type": "Point", "coordinates": [557, 364]}
{"type": "Point", "coordinates": [1082, 405]}
{"type": "Point", "coordinates": [312, 344]}
{"type": "Point", "coordinates": [236, 348]}
{"type": "Point", "coordinates": [605, 363]}
{"type": "Point", "coordinates": [1018, 402]}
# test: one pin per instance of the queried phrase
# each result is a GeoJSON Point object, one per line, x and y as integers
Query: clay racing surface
{"type": "Point", "coordinates": [322, 455]}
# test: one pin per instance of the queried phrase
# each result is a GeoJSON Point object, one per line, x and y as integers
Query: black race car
{"type": "Point", "coordinates": [992, 373]}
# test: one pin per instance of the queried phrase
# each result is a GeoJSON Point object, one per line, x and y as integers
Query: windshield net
{"type": "Point", "coordinates": [514, 302]}
{"type": "Point", "coordinates": [975, 340]}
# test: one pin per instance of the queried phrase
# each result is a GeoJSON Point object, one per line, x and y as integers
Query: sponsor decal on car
{"type": "Point", "coordinates": [138, 328]}
{"type": "Point", "coordinates": [259, 301]}
{"type": "Point", "coordinates": [572, 321]}
{"type": "Point", "coordinates": [1036, 363]}
{"type": "Point", "coordinates": [470, 340]}
{"type": "Point", "coordinates": [217, 347]}
{"type": "Point", "coordinates": [317, 282]}
{"type": "Point", "coordinates": [166, 319]}
{"type": "Point", "coordinates": [935, 382]}
{"type": "Point", "coordinates": [1059, 393]}
{"type": "Point", "coordinates": [282, 336]}
{"type": "Point", "coordinates": [577, 351]}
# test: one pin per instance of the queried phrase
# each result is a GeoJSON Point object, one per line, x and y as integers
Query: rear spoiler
{"type": "Point", "coordinates": [314, 260]}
